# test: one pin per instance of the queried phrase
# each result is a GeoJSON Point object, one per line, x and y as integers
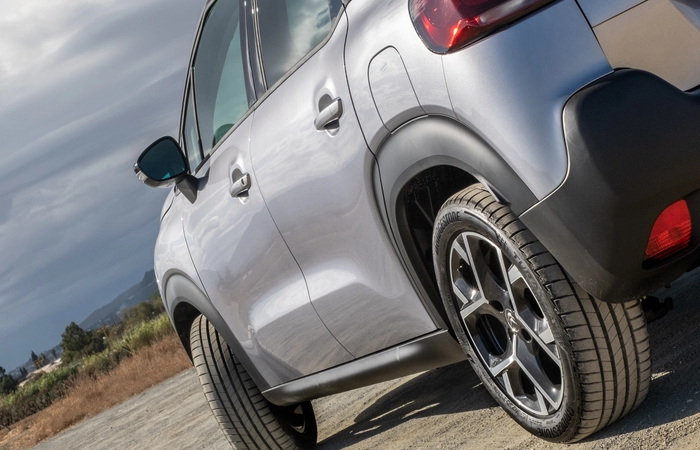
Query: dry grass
{"type": "Point", "coordinates": [89, 396]}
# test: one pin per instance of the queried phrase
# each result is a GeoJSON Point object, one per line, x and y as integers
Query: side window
{"type": "Point", "coordinates": [220, 89]}
{"type": "Point", "coordinates": [190, 136]}
{"type": "Point", "coordinates": [289, 29]}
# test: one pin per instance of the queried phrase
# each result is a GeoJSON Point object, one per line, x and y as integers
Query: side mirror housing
{"type": "Point", "coordinates": [162, 164]}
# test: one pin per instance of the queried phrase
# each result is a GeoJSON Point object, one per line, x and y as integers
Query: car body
{"type": "Point", "coordinates": [302, 230]}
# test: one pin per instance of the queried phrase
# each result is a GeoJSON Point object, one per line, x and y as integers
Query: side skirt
{"type": "Point", "coordinates": [424, 353]}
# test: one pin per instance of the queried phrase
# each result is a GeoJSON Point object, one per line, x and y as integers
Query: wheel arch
{"type": "Point", "coordinates": [429, 159]}
{"type": "Point", "coordinates": [185, 301]}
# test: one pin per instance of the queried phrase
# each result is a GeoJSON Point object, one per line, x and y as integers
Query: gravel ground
{"type": "Point", "coordinates": [441, 409]}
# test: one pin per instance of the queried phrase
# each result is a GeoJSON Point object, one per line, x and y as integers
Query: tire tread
{"type": "Point", "coordinates": [243, 414]}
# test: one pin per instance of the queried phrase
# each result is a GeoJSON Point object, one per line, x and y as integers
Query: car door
{"type": "Point", "coordinates": [315, 173]}
{"type": "Point", "coordinates": [243, 263]}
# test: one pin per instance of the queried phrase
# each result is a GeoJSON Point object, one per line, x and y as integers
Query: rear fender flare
{"type": "Point", "coordinates": [436, 140]}
{"type": "Point", "coordinates": [428, 142]}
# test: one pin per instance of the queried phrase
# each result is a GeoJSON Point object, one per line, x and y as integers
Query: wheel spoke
{"type": "Point", "coordinates": [502, 264]}
{"type": "Point", "coordinates": [490, 274]}
{"type": "Point", "coordinates": [541, 401]}
{"type": "Point", "coordinates": [472, 262]}
{"type": "Point", "coordinates": [537, 327]}
{"type": "Point", "coordinates": [544, 338]}
{"type": "Point", "coordinates": [465, 298]}
{"type": "Point", "coordinates": [469, 309]}
{"type": "Point", "coordinates": [532, 368]}
{"type": "Point", "coordinates": [508, 384]}
{"type": "Point", "coordinates": [461, 251]}
{"type": "Point", "coordinates": [545, 333]}
{"type": "Point", "coordinates": [469, 301]}
{"type": "Point", "coordinates": [502, 365]}
{"type": "Point", "coordinates": [514, 274]}
{"type": "Point", "coordinates": [469, 293]}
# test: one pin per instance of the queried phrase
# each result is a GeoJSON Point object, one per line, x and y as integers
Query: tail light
{"type": "Point", "coordinates": [446, 25]}
{"type": "Point", "coordinates": [671, 232]}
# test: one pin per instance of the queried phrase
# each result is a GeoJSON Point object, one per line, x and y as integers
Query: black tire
{"type": "Point", "coordinates": [604, 363]}
{"type": "Point", "coordinates": [247, 419]}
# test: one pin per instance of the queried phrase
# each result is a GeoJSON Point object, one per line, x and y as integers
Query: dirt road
{"type": "Point", "coordinates": [442, 409]}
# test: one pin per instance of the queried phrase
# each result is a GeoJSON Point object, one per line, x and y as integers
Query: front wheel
{"type": "Point", "coordinates": [247, 419]}
{"type": "Point", "coordinates": [560, 362]}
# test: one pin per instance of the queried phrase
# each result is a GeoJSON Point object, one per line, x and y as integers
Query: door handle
{"type": "Point", "coordinates": [329, 114]}
{"type": "Point", "coordinates": [239, 186]}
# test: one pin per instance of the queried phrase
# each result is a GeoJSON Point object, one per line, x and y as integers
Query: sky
{"type": "Point", "coordinates": [85, 86]}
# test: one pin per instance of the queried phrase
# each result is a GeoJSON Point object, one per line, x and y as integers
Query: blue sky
{"type": "Point", "coordinates": [85, 85]}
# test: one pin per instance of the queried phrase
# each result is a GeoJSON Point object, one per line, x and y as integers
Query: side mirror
{"type": "Point", "coordinates": [162, 164]}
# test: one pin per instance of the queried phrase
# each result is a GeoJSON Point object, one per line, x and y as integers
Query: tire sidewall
{"type": "Point", "coordinates": [455, 219]}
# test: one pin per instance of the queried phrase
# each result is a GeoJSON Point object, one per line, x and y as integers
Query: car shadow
{"type": "Point", "coordinates": [674, 393]}
{"type": "Point", "coordinates": [675, 387]}
{"type": "Point", "coordinates": [442, 391]}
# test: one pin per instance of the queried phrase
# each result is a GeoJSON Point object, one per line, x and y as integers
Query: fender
{"type": "Point", "coordinates": [181, 292]}
{"type": "Point", "coordinates": [425, 143]}
{"type": "Point", "coordinates": [431, 141]}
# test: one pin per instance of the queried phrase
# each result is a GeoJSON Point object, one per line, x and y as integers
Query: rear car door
{"type": "Point", "coordinates": [315, 173]}
{"type": "Point", "coordinates": [247, 270]}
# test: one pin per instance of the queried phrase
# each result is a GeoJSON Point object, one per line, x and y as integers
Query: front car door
{"type": "Point", "coordinates": [315, 173]}
{"type": "Point", "coordinates": [243, 263]}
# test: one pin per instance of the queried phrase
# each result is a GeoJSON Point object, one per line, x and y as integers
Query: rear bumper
{"type": "Point", "coordinates": [634, 148]}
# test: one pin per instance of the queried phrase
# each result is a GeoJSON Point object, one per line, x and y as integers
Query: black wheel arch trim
{"type": "Point", "coordinates": [433, 140]}
{"type": "Point", "coordinates": [180, 291]}
{"type": "Point", "coordinates": [424, 143]}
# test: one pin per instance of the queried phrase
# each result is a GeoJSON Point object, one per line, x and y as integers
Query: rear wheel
{"type": "Point", "coordinates": [247, 419]}
{"type": "Point", "coordinates": [560, 362]}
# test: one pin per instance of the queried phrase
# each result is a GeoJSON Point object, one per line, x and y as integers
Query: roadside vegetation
{"type": "Point", "coordinates": [99, 369]}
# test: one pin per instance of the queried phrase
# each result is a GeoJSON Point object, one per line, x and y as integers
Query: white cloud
{"type": "Point", "coordinates": [84, 85]}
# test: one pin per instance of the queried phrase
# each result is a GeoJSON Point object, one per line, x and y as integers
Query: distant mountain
{"type": "Point", "coordinates": [109, 313]}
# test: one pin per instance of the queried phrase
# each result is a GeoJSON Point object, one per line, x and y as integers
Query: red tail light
{"type": "Point", "coordinates": [449, 24]}
{"type": "Point", "coordinates": [671, 232]}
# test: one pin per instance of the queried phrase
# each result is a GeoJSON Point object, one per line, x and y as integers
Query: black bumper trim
{"type": "Point", "coordinates": [634, 148]}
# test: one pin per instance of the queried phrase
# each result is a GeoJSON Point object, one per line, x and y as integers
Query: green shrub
{"type": "Point", "coordinates": [145, 333]}
{"type": "Point", "coordinates": [35, 395]}
{"type": "Point", "coordinates": [143, 312]}
{"type": "Point", "coordinates": [99, 363]}
{"type": "Point", "coordinates": [121, 343]}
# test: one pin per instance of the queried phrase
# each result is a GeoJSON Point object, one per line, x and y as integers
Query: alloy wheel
{"type": "Point", "coordinates": [506, 326]}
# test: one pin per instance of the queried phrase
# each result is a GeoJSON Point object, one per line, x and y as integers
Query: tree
{"type": "Point", "coordinates": [75, 338]}
{"type": "Point", "coordinates": [7, 383]}
{"type": "Point", "coordinates": [39, 361]}
{"type": "Point", "coordinates": [36, 361]}
{"type": "Point", "coordinates": [77, 342]}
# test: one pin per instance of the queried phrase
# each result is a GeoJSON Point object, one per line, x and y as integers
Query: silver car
{"type": "Point", "coordinates": [366, 189]}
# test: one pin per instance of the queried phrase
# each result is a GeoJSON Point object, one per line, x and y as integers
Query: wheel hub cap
{"type": "Point", "coordinates": [505, 324]}
{"type": "Point", "coordinates": [512, 321]}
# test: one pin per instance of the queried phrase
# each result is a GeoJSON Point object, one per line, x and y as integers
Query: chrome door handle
{"type": "Point", "coordinates": [329, 114]}
{"type": "Point", "coordinates": [239, 186]}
